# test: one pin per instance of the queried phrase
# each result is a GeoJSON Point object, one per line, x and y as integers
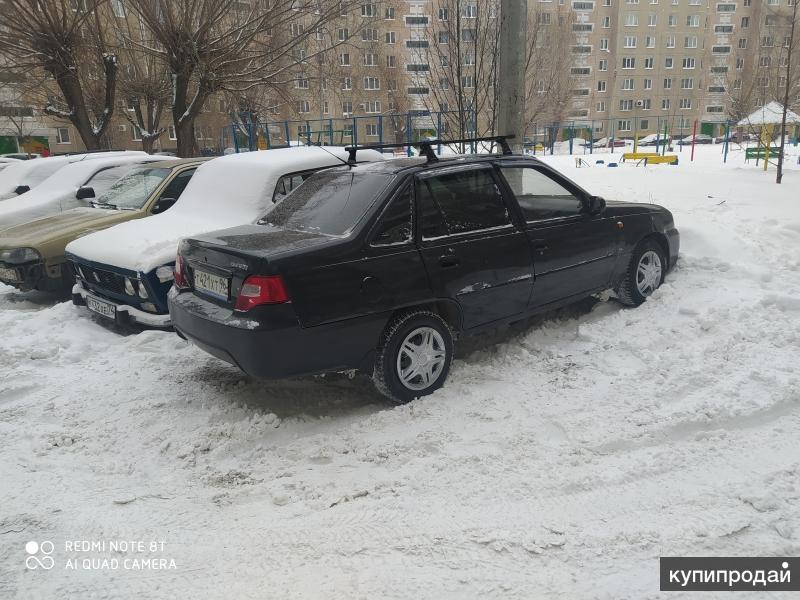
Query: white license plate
{"type": "Point", "coordinates": [213, 285]}
{"type": "Point", "coordinates": [105, 309]}
{"type": "Point", "coordinates": [8, 274]}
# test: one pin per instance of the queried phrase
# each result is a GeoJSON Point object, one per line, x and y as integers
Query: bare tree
{"type": "Point", "coordinates": [548, 62]}
{"type": "Point", "coordinates": [791, 80]}
{"type": "Point", "coordinates": [460, 47]}
{"type": "Point", "coordinates": [65, 39]}
{"type": "Point", "coordinates": [227, 45]}
{"type": "Point", "coordinates": [143, 79]}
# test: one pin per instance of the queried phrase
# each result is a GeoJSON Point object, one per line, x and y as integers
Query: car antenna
{"type": "Point", "coordinates": [339, 158]}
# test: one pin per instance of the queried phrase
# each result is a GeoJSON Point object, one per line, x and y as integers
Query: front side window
{"type": "Point", "coordinates": [466, 200]}
{"type": "Point", "coordinates": [395, 225]}
{"type": "Point", "coordinates": [175, 187]}
{"type": "Point", "coordinates": [539, 196]}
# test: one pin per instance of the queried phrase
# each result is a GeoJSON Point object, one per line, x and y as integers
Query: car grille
{"type": "Point", "coordinates": [105, 280]}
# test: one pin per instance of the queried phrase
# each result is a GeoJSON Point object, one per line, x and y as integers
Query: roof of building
{"type": "Point", "coordinates": [770, 114]}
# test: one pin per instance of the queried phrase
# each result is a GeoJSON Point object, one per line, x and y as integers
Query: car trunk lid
{"type": "Point", "coordinates": [218, 263]}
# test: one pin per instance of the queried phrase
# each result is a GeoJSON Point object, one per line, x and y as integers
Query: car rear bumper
{"type": "Point", "coordinates": [270, 343]}
{"type": "Point", "coordinates": [125, 315]}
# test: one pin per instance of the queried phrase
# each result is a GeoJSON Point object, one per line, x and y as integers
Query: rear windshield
{"type": "Point", "coordinates": [133, 190]}
{"type": "Point", "coordinates": [330, 202]}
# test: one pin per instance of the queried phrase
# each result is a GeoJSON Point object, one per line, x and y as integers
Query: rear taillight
{"type": "Point", "coordinates": [181, 278]}
{"type": "Point", "coordinates": [261, 289]}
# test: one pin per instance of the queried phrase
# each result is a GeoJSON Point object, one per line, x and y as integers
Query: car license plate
{"type": "Point", "coordinates": [213, 285]}
{"type": "Point", "coordinates": [8, 274]}
{"type": "Point", "coordinates": [105, 309]}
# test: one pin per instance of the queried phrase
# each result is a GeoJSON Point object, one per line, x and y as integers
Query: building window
{"type": "Point", "coordinates": [118, 8]}
{"type": "Point", "coordinates": [63, 135]}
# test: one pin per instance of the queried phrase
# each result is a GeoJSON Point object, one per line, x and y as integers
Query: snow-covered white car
{"type": "Point", "coordinates": [125, 272]}
{"type": "Point", "coordinates": [71, 186]}
{"type": "Point", "coordinates": [24, 175]}
{"type": "Point", "coordinates": [7, 162]}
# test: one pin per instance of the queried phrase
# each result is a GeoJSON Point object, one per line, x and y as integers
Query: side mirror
{"type": "Point", "coordinates": [596, 205]}
{"type": "Point", "coordinates": [163, 204]}
{"type": "Point", "coordinates": [84, 192]}
{"type": "Point", "coordinates": [21, 189]}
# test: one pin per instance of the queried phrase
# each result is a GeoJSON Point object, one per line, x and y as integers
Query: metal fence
{"type": "Point", "coordinates": [621, 133]}
{"type": "Point", "coordinates": [341, 131]}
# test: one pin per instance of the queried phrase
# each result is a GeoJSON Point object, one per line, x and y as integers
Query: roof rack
{"type": "Point", "coordinates": [426, 146]}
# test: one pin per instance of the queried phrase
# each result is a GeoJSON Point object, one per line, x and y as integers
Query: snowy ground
{"type": "Point", "coordinates": [560, 461]}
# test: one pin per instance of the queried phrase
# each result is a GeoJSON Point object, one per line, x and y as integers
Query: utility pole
{"type": "Point", "coordinates": [511, 71]}
{"type": "Point", "coordinates": [789, 82]}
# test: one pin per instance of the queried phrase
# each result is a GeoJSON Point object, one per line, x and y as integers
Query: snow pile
{"type": "Point", "coordinates": [560, 461]}
{"type": "Point", "coordinates": [231, 190]}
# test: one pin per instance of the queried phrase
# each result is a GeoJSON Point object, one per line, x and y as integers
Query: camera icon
{"type": "Point", "coordinates": [39, 555]}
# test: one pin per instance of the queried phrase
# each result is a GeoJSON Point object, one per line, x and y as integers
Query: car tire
{"type": "Point", "coordinates": [395, 375]}
{"type": "Point", "coordinates": [645, 273]}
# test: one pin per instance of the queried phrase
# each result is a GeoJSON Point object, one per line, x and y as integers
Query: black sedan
{"type": "Point", "coordinates": [380, 266]}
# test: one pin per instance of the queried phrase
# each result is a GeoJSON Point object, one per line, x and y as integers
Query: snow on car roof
{"type": "Point", "coordinates": [35, 171]}
{"type": "Point", "coordinates": [62, 184]}
{"type": "Point", "coordinates": [227, 191]}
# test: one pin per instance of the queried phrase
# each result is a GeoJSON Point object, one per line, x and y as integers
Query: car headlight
{"type": "Point", "coordinates": [142, 291]}
{"type": "Point", "coordinates": [129, 287]}
{"type": "Point", "coordinates": [19, 255]}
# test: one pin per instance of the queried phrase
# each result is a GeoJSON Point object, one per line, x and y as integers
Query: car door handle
{"type": "Point", "coordinates": [448, 260]}
{"type": "Point", "coordinates": [540, 249]}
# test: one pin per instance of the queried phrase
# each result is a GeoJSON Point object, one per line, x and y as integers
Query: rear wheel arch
{"type": "Point", "coordinates": [446, 308]}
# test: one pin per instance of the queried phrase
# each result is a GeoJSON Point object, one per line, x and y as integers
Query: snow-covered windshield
{"type": "Point", "coordinates": [330, 202]}
{"type": "Point", "coordinates": [133, 190]}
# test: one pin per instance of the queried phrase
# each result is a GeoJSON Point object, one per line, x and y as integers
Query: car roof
{"type": "Point", "coordinates": [166, 163]}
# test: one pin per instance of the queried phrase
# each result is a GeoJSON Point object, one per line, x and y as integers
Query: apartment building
{"type": "Point", "coordinates": [641, 65]}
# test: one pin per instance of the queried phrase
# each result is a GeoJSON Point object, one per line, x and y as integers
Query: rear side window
{"type": "Point", "coordinates": [467, 200]}
{"type": "Point", "coordinates": [540, 197]}
{"type": "Point", "coordinates": [289, 183]}
{"type": "Point", "coordinates": [395, 224]}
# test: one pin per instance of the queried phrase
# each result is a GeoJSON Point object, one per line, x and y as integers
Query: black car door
{"type": "Point", "coordinates": [471, 248]}
{"type": "Point", "coordinates": [573, 251]}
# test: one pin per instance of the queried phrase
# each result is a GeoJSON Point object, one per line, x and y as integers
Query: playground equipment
{"type": "Point", "coordinates": [650, 158]}
{"type": "Point", "coordinates": [759, 153]}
